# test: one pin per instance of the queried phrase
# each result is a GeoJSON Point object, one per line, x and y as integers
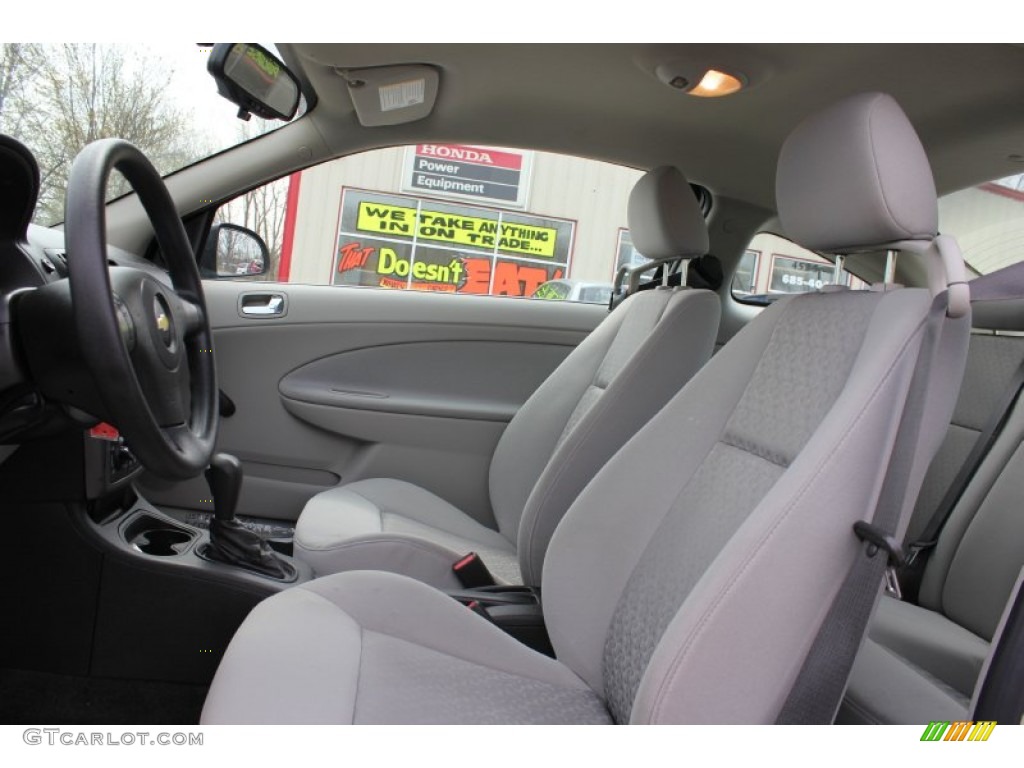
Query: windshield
{"type": "Point", "coordinates": [56, 98]}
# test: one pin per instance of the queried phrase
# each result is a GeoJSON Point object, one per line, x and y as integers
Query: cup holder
{"type": "Point", "coordinates": [159, 538]}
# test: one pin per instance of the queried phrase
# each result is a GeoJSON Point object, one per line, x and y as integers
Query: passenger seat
{"type": "Point", "coordinates": [920, 662]}
{"type": "Point", "coordinates": [603, 392]}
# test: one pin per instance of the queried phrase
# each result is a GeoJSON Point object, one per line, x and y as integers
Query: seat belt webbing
{"type": "Point", "coordinates": [910, 575]}
{"type": "Point", "coordinates": [821, 682]}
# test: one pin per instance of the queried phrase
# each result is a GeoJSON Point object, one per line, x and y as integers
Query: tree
{"type": "Point", "coordinates": [78, 93]}
{"type": "Point", "coordinates": [19, 65]}
{"type": "Point", "coordinates": [262, 209]}
{"type": "Point", "coordinates": [59, 98]}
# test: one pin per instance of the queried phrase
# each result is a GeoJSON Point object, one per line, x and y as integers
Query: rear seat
{"type": "Point", "coordinates": [920, 662]}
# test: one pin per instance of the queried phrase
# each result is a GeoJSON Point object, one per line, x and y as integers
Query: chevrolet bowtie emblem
{"type": "Point", "coordinates": [163, 323]}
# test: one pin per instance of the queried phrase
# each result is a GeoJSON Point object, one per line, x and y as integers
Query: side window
{"type": "Point", "coordinates": [445, 218]}
{"type": "Point", "coordinates": [744, 280]}
{"type": "Point", "coordinates": [773, 266]}
{"type": "Point", "coordinates": [987, 220]}
{"type": "Point", "coordinates": [595, 294]}
{"type": "Point", "coordinates": [988, 223]}
{"type": "Point", "coordinates": [235, 254]}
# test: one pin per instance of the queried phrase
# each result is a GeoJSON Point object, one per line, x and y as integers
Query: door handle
{"type": "Point", "coordinates": [262, 304]}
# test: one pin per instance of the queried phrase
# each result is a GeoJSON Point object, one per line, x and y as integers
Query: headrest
{"type": "Point", "coordinates": [855, 177]}
{"type": "Point", "coordinates": [19, 188]}
{"type": "Point", "coordinates": [705, 272]}
{"type": "Point", "coordinates": [664, 216]}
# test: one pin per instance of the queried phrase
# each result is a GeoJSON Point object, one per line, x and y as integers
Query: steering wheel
{"type": "Point", "coordinates": [147, 345]}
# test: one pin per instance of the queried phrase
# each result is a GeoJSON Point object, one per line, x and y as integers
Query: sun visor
{"type": "Point", "coordinates": [392, 95]}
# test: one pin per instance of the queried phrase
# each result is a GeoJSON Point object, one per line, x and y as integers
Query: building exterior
{"type": "Point", "coordinates": [468, 219]}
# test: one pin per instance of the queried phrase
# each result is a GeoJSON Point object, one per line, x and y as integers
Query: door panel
{"type": "Point", "coordinates": [351, 383]}
{"type": "Point", "coordinates": [454, 379]}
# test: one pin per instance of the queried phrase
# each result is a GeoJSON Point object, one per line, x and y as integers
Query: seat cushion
{"type": "Point", "coordinates": [370, 647]}
{"type": "Point", "coordinates": [886, 689]}
{"type": "Point", "coordinates": [914, 666]}
{"type": "Point", "coordinates": [395, 526]}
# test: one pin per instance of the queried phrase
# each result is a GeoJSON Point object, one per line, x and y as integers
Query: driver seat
{"type": "Point", "coordinates": [677, 586]}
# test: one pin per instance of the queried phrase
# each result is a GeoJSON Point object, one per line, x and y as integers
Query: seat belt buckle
{"type": "Point", "coordinates": [878, 540]}
{"type": "Point", "coordinates": [892, 583]}
{"type": "Point", "coordinates": [472, 573]}
{"type": "Point", "coordinates": [477, 607]}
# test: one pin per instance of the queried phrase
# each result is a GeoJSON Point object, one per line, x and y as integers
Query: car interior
{"type": "Point", "coordinates": [732, 494]}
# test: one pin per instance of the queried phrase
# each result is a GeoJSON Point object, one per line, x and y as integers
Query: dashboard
{"type": "Point", "coordinates": [31, 257]}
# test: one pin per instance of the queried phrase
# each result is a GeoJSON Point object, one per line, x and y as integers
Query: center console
{"type": "Point", "coordinates": [158, 541]}
{"type": "Point", "coordinates": [516, 610]}
{"type": "Point", "coordinates": [108, 585]}
{"type": "Point", "coordinates": [105, 583]}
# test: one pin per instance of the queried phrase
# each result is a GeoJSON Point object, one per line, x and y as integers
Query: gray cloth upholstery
{"type": "Point", "coordinates": [757, 444]}
{"type": "Point", "coordinates": [371, 647]}
{"type": "Point", "coordinates": [991, 362]}
{"type": "Point", "coordinates": [687, 602]}
{"type": "Point", "coordinates": [606, 613]}
{"type": "Point", "coordinates": [722, 657]}
{"type": "Point", "coordinates": [855, 177]}
{"type": "Point", "coordinates": [878, 674]}
{"type": "Point", "coordinates": [918, 657]}
{"type": "Point", "coordinates": [997, 315]}
{"type": "Point", "coordinates": [606, 389]}
{"type": "Point", "coordinates": [930, 642]}
{"type": "Point", "coordinates": [915, 666]}
{"type": "Point", "coordinates": [638, 376]}
{"type": "Point", "coordinates": [603, 392]}
{"type": "Point", "coordinates": [372, 522]}
{"type": "Point", "coordinates": [664, 220]}
{"type": "Point", "coordinates": [970, 574]}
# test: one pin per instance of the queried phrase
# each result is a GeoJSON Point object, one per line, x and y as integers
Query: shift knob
{"type": "Point", "coordinates": [224, 476]}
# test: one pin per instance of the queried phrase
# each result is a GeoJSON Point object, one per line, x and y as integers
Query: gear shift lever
{"type": "Point", "coordinates": [224, 476]}
{"type": "Point", "coordinates": [230, 541]}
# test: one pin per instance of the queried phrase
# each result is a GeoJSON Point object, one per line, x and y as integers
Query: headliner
{"type": "Point", "coordinates": [603, 101]}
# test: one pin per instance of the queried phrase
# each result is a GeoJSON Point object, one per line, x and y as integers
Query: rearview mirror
{"type": "Point", "coordinates": [255, 79]}
{"type": "Point", "coordinates": [233, 251]}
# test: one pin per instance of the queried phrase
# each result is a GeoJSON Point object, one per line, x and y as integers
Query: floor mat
{"type": "Point", "coordinates": [28, 697]}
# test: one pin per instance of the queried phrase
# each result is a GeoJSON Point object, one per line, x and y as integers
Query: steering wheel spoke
{"type": "Point", "coordinates": [192, 316]}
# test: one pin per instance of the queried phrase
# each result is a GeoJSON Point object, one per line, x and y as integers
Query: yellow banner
{"type": "Point", "coordinates": [456, 229]}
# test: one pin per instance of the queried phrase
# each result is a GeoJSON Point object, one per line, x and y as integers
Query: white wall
{"type": "Point", "coordinates": [591, 193]}
{"type": "Point", "coordinates": [988, 223]}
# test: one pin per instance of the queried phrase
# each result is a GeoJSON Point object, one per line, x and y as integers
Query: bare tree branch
{"type": "Point", "coordinates": [72, 94]}
{"type": "Point", "coordinates": [262, 209]}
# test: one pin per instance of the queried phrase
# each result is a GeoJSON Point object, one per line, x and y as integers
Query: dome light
{"type": "Point", "coordinates": [715, 83]}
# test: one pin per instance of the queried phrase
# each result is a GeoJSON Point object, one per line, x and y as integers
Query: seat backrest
{"type": "Point", "coordinates": [610, 385]}
{"type": "Point", "coordinates": [698, 600]}
{"type": "Point", "coordinates": [980, 550]}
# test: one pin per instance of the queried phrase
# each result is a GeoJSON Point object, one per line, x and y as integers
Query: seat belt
{"type": "Point", "coordinates": [911, 574]}
{"type": "Point", "coordinates": [821, 682]}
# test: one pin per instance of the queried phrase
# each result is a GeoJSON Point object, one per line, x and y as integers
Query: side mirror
{"type": "Point", "coordinates": [255, 79]}
{"type": "Point", "coordinates": [233, 251]}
